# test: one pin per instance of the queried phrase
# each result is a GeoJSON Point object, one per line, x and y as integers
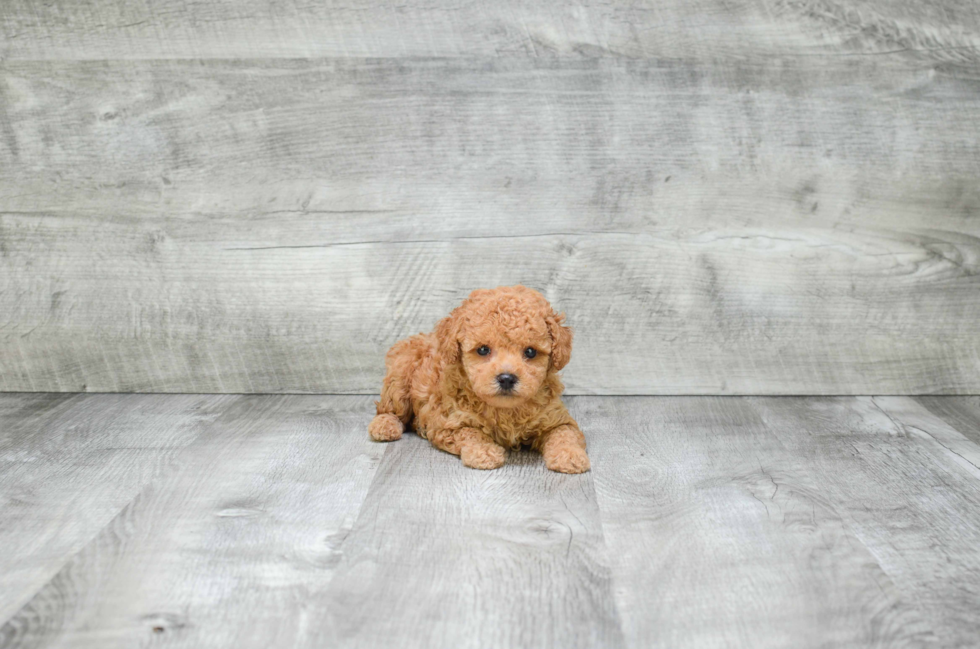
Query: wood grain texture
{"type": "Point", "coordinates": [69, 464]}
{"type": "Point", "coordinates": [910, 501]}
{"type": "Point", "coordinates": [916, 419]}
{"type": "Point", "coordinates": [721, 537]}
{"type": "Point", "coordinates": [735, 522]}
{"type": "Point", "coordinates": [446, 556]}
{"type": "Point", "coordinates": [962, 413]}
{"type": "Point", "coordinates": [230, 547]}
{"type": "Point", "coordinates": [792, 225]}
{"type": "Point", "coordinates": [943, 30]}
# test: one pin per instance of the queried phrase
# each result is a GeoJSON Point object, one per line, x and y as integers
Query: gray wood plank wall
{"type": "Point", "coordinates": [754, 197]}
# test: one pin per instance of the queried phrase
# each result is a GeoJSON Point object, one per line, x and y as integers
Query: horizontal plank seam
{"type": "Point", "coordinates": [607, 55]}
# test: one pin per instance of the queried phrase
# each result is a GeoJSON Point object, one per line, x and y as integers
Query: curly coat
{"type": "Point", "coordinates": [447, 384]}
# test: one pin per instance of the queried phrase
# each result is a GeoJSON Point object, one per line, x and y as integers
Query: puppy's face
{"type": "Point", "coordinates": [505, 367]}
{"type": "Point", "coordinates": [507, 340]}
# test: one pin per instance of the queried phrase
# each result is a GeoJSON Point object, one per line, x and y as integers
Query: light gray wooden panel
{"type": "Point", "coordinates": [69, 464]}
{"type": "Point", "coordinates": [109, 29]}
{"type": "Point", "coordinates": [446, 556]}
{"type": "Point", "coordinates": [799, 226]}
{"type": "Point", "coordinates": [722, 537]}
{"type": "Point", "coordinates": [962, 413]}
{"type": "Point", "coordinates": [594, 141]}
{"type": "Point", "coordinates": [912, 502]}
{"type": "Point", "coordinates": [229, 548]}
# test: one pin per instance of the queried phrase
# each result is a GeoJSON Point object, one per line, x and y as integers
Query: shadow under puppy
{"type": "Point", "coordinates": [484, 381]}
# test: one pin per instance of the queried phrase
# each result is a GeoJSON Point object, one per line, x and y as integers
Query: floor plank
{"type": "Point", "coordinates": [70, 463]}
{"type": "Point", "coordinates": [942, 30]}
{"type": "Point", "coordinates": [198, 521]}
{"type": "Point", "coordinates": [914, 418]}
{"type": "Point", "coordinates": [721, 537]}
{"type": "Point", "coordinates": [962, 413]}
{"type": "Point", "coordinates": [229, 547]}
{"type": "Point", "coordinates": [910, 501]}
{"type": "Point", "coordinates": [446, 556]}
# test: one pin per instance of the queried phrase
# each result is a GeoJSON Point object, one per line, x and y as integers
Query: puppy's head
{"type": "Point", "coordinates": [507, 340]}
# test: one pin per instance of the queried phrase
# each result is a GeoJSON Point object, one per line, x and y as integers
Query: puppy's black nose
{"type": "Point", "coordinates": [506, 382]}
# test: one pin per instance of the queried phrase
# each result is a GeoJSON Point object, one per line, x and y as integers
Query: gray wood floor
{"type": "Point", "coordinates": [261, 521]}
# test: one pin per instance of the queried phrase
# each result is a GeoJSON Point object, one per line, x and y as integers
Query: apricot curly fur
{"type": "Point", "coordinates": [442, 386]}
{"type": "Point", "coordinates": [386, 428]}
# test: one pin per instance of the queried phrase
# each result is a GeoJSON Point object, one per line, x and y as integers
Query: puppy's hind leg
{"type": "Point", "coordinates": [395, 405]}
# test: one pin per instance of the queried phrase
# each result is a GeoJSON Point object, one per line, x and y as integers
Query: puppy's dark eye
{"type": "Point", "coordinates": [483, 350]}
{"type": "Point", "coordinates": [530, 353]}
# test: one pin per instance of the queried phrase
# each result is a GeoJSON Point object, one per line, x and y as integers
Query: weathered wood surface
{"type": "Point", "coordinates": [227, 549]}
{"type": "Point", "coordinates": [902, 492]}
{"type": "Point", "coordinates": [913, 418]}
{"type": "Point", "coordinates": [946, 30]}
{"type": "Point", "coordinates": [800, 224]}
{"type": "Point", "coordinates": [962, 413]}
{"type": "Point", "coordinates": [705, 522]}
{"type": "Point", "coordinates": [446, 556]}
{"type": "Point", "coordinates": [69, 464]}
{"type": "Point", "coordinates": [721, 537]}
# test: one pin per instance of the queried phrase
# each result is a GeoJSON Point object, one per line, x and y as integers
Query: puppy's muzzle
{"type": "Point", "coordinates": [506, 382]}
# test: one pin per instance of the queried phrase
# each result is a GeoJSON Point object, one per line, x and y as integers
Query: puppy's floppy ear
{"type": "Point", "coordinates": [561, 340]}
{"type": "Point", "coordinates": [447, 335]}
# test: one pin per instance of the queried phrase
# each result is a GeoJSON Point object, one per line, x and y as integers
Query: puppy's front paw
{"type": "Point", "coordinates": [567, 458]}
{"type": "Point", "coordinates": [483, 456]}
{"type": "Point", "coordinates": [385, 428]}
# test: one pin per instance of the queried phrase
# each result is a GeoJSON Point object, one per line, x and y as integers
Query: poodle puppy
{"type": "Point", "coordinates": [486, 380]}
